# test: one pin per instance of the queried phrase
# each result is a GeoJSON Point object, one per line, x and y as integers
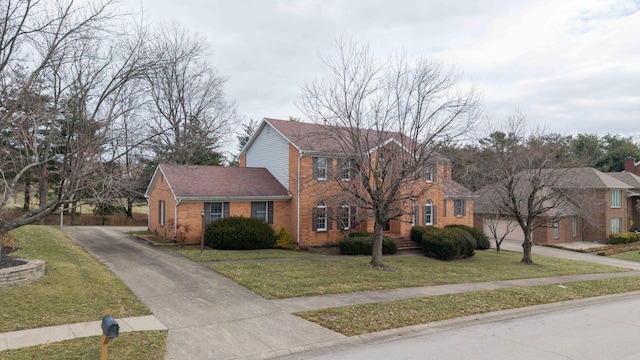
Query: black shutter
{"type": "Point", "coordinates": [270, 212]}
{"type": "Point", "coordinates": [315, 167]}
{"type": "Point", "coordinates": [415, 214]}
{"type": "Point", "coordinates": [225, 210]}
{"type": "Point", "coordinates": [253, 210]}
{"type": "Point", "coordinates": [329, 225]}
{"type": "Point", "coordinates": [444, 207]}
{"type": "Point", "coordinates": [329, 168]}
{"type": "Point", "coordinates": [434, 214]}
{"type": "Point", "coordinates": [434, 172]}
{"type": "Point", "coordinates": [424, 215]}
{"type": "Point", "coordinates": [464, 207]}
{"type": "Point", "coordinates": [207, 213]}
{"type": "Point", "coordinates": [314, 219]}
{"type": "Point", "coordinates": [353, 217]}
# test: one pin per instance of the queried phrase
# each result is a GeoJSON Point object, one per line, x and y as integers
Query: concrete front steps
{"type": "Point", "coordinates": [404, 242]}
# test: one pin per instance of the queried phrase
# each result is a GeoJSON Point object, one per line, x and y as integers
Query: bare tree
{"type": "Point", "coordinates": [384, 117]}
{"type": "Point", "coordinates": [75, 58]}
{"type": "Point", "coordinates": [524, 170]}
{"type": "Point", "coordinates": [497, 233]}
{"type": "Point", "coordinates": [189, 109]}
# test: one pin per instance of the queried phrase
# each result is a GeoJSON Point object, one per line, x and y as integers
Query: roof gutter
{"type": "Point", "coordinates": [232, 198]}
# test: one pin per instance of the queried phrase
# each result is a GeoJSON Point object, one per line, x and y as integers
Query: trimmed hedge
{"type": "Point", "coordinates": [448, 243]}
{"type": "Point", "coordinates": [482, 240]}
{"type": "Point", "coordinates": [363, 245]}
{"type": "Point", "coordinates": [624, 238]}
{"type": "Point", "coordinates": [239, 233]}
{"type": "Point", "coordinates": [418, 231]}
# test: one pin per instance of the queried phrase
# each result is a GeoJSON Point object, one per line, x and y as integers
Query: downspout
{"type": "Point", "coordinates": [175, 220]}
{"type": "Point", "coordinates": [298, 201]}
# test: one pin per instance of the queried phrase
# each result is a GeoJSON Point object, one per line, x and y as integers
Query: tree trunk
{"type": "Point", "coordinates": [526, 247]}
{"type": "Point", "coordinates": [129, 208]}
{"type": "Point", "coordinates": [497, 246]}
{"type": "Point", "coordinates": [376, 253]}
{"type": "Point", "coordinates": [43, 187]}
{"type": "Point", "coordinates": [73, 213]}
{"type": "Point", "coordinates": [27, 191]}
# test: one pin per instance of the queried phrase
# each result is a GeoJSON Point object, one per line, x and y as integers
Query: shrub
{"type": "Point", "coordinates": [284, 240]}
{"type": "Point", "coordinates": [360, 234]}
{"type": "Point", "coordinates": [482, 240]}
{"type": "Point", "coordinates": [239, 233]}
{"type": "Point", "coordinates": [633, 237]}
{"type": "Point", "coordinates": [466, 242]}
{"type": "Point", "coordinates": [363, 245]}
{"type": "Point", "coordinates": [441, 244]}
{"type": "Point", "coordinates": [619, 238]}
{"type": "Point", "coordinates": [418, 231]}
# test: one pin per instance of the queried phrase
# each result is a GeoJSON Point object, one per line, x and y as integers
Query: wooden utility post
{"type": "Point", "coordinates": [105, 340]}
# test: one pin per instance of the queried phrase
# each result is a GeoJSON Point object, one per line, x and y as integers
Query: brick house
{"type": "Point", "coordinates": [315, 210]}
{"type": "Point", "coordinates": [596, 205]}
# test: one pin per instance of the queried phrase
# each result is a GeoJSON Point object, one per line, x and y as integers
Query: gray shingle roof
{"type": "Point", "coordinates": [587, 178]}
{"type": "Point", "coordinates": [628, 178]}
{"type": "Point", "coordinates": [219, 182]}
{"type": "Point", "coordinates": [454, 190]}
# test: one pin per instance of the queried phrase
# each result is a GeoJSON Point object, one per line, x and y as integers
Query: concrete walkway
{"type": "Point", "coordinates": [211, 317]}
{"type": "Point", "coordinates": [33, 337]}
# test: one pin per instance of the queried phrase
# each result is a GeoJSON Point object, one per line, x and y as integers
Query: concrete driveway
{"type": "Point", "coordinates": [208, 315]}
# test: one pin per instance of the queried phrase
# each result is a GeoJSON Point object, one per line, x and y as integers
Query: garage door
{"type": "Point", "coordinates": [502, 226]}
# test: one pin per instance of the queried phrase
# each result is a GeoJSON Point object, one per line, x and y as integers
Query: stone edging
{"type": "Point", "coordinates": [23, 274]}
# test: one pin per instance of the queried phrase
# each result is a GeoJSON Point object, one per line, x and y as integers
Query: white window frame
{"type": "Point", "coordinates": [347, 207]}
{"type": "Point", "coordinates": [414, 216]}
{"type": "Point", "coordinates": [345, 169]}
{"type": "Point", "coordinates": [321, 216]}
{"type": "Point", "coordinates": [459, 207]}
{"type": "Point", "coordinates": [574, 227]}
{"type": "Point", "coordinates": [266, 211]}
{"type": "Point", "coordinates": [616, 225]}
{"type": "Point", "coordinates": [428, 213]}
{"type": "Point", "coordinates": [321, 170]}
{"type": "Point", "coordinates": [428, 173]}
{"type": "Point", "coordinates": [556, 229]}
{"type": "Point", "coordinates": [616, 199]}
{"type": "Point", "coordinates": [162, 212]}
{"type": "Point", "coordinates": [212, 214]}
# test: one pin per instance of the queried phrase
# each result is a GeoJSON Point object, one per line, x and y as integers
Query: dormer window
{"type": "Point", "coordinates": [428, 173]}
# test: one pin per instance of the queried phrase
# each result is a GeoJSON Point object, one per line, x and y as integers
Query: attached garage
{"type": "Point", "coordinates": [501, 227]}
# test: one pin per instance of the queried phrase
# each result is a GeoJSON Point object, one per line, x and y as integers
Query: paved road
{"type": "Point", "coordinates": [606, 330]}
{"type": "Point", "coordinates": [208, 315]}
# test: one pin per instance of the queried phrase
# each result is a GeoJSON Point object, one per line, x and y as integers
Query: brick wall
{"type": "Point", "coordinates": [161, 191]}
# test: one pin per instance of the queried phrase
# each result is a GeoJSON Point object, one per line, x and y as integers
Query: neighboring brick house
{"type": "Point", "coordinates": [632, 166]}
{"type": "Point", "coordinates": [597, 205]}
{"type": "Point", "coordinates": [292, 164]}
{"type": "Point", "coordinates": [183, 197]}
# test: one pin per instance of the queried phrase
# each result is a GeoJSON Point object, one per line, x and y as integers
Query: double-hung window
{"type": "Point", "coordinates": [345, 169]}
{"type": "Point", "coordinates": [428, 173]}
{"type": "Point", "coordinates": [428, 213]}
{"type": "Point", "coordinates": [574, 227]}
{"type": "Point", "coordinates": [459, 207]}
{"type": "Point", "coordinates": [321, 216]}
{"type": "Point", "coordinates": [345, 216]}
{"type": "Point", "coordinates": [616, 225]}
{"type": "Point", "coordinates": [616, 198]}
{"type": "Point", "coordinates": [321, 168]}
{"type": "Point", "coordinates": [215, 212]}
{"type": "Point", "coordinates": [259, 210]}
{"type": "Point", "coordinates": [556, 230]}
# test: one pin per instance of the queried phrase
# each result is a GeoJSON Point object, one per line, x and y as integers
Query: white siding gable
{"type": "Point", "coordinates": [270, 150]}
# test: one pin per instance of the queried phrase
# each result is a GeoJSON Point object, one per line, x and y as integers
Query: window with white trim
{"type": "Point", "coordinates": [161, 212]}
{"type": "Point", "coordinates": [321, 216]}
{"type": "Point", "coordinates": [428, 213]}
{"type": "Point", "coordinates": [616, 198]}
{"type": "Point", "coordinates": [428, 173]}
{"type": "Point", "coordinates": [345, 216]}
{"type": "Point", "coordinates": [574, 227]}
{"type": "Point", "coordinates": [414, 214]}
{"type": "Point", "coordinates": [459, 207]}
{"type": "Point", "coordinates": [321, 169]}
{"type": "Point", "coordinates": [215, 212]}
{"type": "Point", "coordinates": [556, 229]}
{"type": "Point", "coordinates": [260, 210]}
{"type": "Point", "coordinates": [345, 169]}
{"type": "Point", "coordinates": [616, 225]}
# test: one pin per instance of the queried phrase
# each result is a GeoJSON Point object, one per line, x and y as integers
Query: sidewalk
{"type": "Point", "coordinates": [32, 337]}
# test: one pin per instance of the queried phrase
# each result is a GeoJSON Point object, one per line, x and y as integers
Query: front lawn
{"type": "Point", "coordinates": [147, 345]}
{"type": "Point", "coordinates": [629, 255]}
{"type": "Point", "coordinates": [76, 286]}
{"type": "Point", "coordinates": [193, 253]}
{"type": "Point", "coordinates": [274, 280]}
{"type": "Point", "coordinates": [367, 318]}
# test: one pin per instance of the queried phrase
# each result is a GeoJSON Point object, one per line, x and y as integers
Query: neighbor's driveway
{"type": "Point", "coordinates": [208, 315]}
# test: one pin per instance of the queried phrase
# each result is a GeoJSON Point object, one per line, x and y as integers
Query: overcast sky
{"type": "Point", "coordinates": [573, 65]}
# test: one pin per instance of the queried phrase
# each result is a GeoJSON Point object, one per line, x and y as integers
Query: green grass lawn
{"type": "Point", "coordinates": [76, 286]}
{"type": "Point", "coordinates": [274, 280]}
{"type": "Point", "coordinates": [193, 253]}
{"type": "Point", "coordinates": [367, 318]}
{"type": "Point", "coordinates": [148, 345]}
{"type": "Point", "coordinates": [629, 255]}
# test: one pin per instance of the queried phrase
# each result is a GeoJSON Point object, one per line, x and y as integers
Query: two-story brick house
{"type": "Point", "coordinates": [597, 204]}
{"type": "Point", "coordinates": [307, 166]}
